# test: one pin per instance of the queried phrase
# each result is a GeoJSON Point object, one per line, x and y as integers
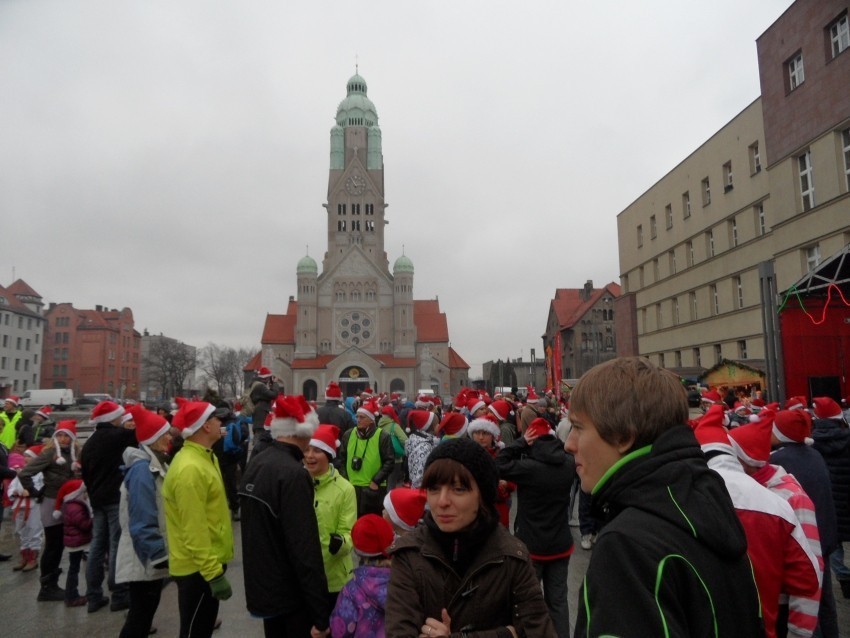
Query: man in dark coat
{"type": "Point", "coordinates": [101, 460]}
{"type": "Point", "coordinates": [285, 581]}
{"type": "Point", "coordinates": [333, 412]}
{"type": "Point", "coordinates": [263, 391]}
{"type": "Point", "coordinates": [540, 467]}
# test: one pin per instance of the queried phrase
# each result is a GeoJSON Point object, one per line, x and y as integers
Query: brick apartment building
{"type": "Point", "coordinates": [91, 351]}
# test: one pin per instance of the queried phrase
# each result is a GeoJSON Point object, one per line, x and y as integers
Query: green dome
{"type": "Point", "coordinates": [307, 266]}
{"type": "Point", "coordinates": [403, 264]}
{"type": "Point", "coordinates": [356, 109]}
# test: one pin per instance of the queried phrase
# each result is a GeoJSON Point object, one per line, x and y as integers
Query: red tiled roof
{"type": "Point", "coordinates": [570, 307]}
{"type": "Point", "coordinates": [93, 320]}
{"type": "Point", "coordinates": [254, 362]}
{"type": "Point", "coordinates": [317, 362]}
{"type": "Point", "coordinates": [20, 287]}
{"type": "Point", "coordinates": [280, 329]}
{"type": "Point", "coordinates": [456, 361]}
{"type": "Point", "coordinates": [431, 324]}
{"type": "Point", "coordinates": [14, 304]}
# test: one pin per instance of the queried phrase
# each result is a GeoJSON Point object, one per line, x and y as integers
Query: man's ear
{"type": "Point", "coordinates": [625, 445]}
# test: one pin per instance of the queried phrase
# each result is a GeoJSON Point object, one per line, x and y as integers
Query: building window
{"type": "Point", "coordinates": [755, 159]}
{"type": "Point", "coordinates": [697, 357]}
{"type": "Point", "coordinates": [661, 360]}
{"type": "Point", "coordinates": [3, 363]}
{"type": "Point", "coordinates": [355, 209]}
{"type": "Point", "coordinates": [652, 229]}
{"type": "Point", "coordinates": [739, 287]}
{"type": "Point", "coordinates": [340, 225]}
{"type": "Point", "coordinates": [672, 256]}
{"type": "Point", "coordinates": [668, 215]}
{"type": "Point", "coordinates": [812, 257]}
{"type": "Point", "coordinates": [340, 295]}
{"type": "Point", "coordinates": [694, 313]}
{"type": "Point", "coordinates": [686, 204]}
{"type": "Point", "coordinates": [742, 349]}
{"type": "Point", "coordinates": [689, 253]}
{"type": "Point", "coordinates": [839, 35]}
{"type": "Point", "coordinates": [659, 322]}
{"type": "Point", "coordinates": [715, 299]}
{"type": "Point", "coordinates": [656, 271]}
{"type": "Point", "coordinates": [370, 209]}
{"type": "Point", "coordinates": [643, 319]}
{"type": "Point", "coordinates": [678, 358]}
{"type": "Point", "coordinates": [807, 186]}
{"type": "Point", "coordinates": [17, 364]}
{"type": "Point", "coordinates": [370, 295]}
{"type": "Point", "coordinates": [27, 345]}
{"type": "Point", "coordinates": [718, 353]}
{"type": "Point", "coordinates": [727, 177]}
{"type": "Point", "coordinates": [675, 311]}
{"type": "Point", "coordinates": [340, 209]}
{"type": "Point", "coordinates": [796, 76]}
{"type": "Point", "coordinates": [5, 341]}
{"type": "Point", "coordinates": [26, 365]}
{"type": "Point", "coordinates": [18, 344]}
{"type": "Point", "coordinates": [709, 242]}
{"type": "Point", "coordinates": [706, 192]}
{"type": "Point", "coordinates": [761, 228]}
{"type": "Point", "coordinates": [640, 277]}
{"type": "Point", "coordinates": [733, 232]}
{"type": "Point", "coordinates": [640, 235]}
{"type": "Point", "coordinates": [370, 226]}
{"type": "Point", "coordinates": [845, 141]}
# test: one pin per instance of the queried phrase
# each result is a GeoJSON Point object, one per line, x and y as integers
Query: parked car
{"type": "Point", "coordinates": [93, 399]}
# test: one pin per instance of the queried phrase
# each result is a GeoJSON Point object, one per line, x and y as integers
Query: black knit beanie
{"type": "Point", "coordinates": [474, 458]}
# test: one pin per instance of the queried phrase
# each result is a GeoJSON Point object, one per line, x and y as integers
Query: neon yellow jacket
{"type": "Point", "coordinates": [197, 519]}
{"type": "Point", "coordinates": [336, 511]}
{"type": "Point", "coordinates": [9, 429]}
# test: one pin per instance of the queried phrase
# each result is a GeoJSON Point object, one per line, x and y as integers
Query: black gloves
{"type": "Point", "coordinates": [335, 543]}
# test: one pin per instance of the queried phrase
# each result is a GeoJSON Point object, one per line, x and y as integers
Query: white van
{"type": "Point", "coordinates": [56, 398]}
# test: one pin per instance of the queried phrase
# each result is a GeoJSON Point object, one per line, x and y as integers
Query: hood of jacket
{"type": "Point", "coordinates": [831, 437]}
{"type": "Point", "coordinates": [372, 581]}
{"type": "Point", "coordinates": [134, 455]}
{"type": "Point", "coordinates": [548, 449]}
{"type": "Point", "coordinates": [671, 480]}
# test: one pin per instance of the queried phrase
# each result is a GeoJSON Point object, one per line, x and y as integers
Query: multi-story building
{"type": "Point", "coordinates": [518, 372]}
{"type": "Point", "coordinates": [21, 333]}
{"type": "Point", "coordinates": [356, 322]}
{"type": "Point", "coordinates": [91, 351]}
{"type": "Point", "coordinates": [580, 329]}
{"type": "Point", "coordinates": [706, 249]}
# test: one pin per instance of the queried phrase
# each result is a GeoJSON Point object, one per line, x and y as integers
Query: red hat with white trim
{"type": "Point", "coordinates": [420, 419]}
{"type": "Point", "coordinates": [290, 419]}
{"type": "Point", "coordinates": [795, 403]}
{"type": "Point", "coordinates": [372, 535]}
{"type": "Point", "coordinates": [501, 408]}
{"type": "Point", "coordinates": [149, 425]}
{"type": "Point", "coordinates": [712, 396]}
{"type": "Point", "coordinates": [793, 426]}
{"type": "Point", "coordinates": [44, 412]}
{"type": "Point", "coordinates": [539, 427]}
{"type": "Point", "coordinates": [68, 427]}
{"type": "Point", "coordinates": [711, 433]}
{"type": "Point", "coordinates": [474, 404]}
{"type": "Point", "coordinates": [12, 399]}
{"type": "Point", "coordinates": [751, 442]}
{"type": "Point", "coordinates": [531, 395]}
{"type": "Point", "coordinates": [333, 392]}
{"type": "Point", "coordinates": [827, 408]}
{"type": "Point", "coordinates": [405, 506]}
{"type": "Point", "coordinates": [191, 415]}
{"type": "Point", "coordinates": [370, 409]}
{"type": "Point", "coordinates": [71, 489]}
{"type": "Point", "coordinates": [34, 450]}
{"type": "Point", "coordinates": [106, 412]}
{"type": "Point", "coordinates": [326, 438]}
{"type": "Point", "coordinates": [264, 373]}
{"type": "Point", "coordinates": [453, 424]}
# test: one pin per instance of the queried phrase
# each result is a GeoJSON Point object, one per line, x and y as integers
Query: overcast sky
{"type": "Point", "coordinates": [172, 157]}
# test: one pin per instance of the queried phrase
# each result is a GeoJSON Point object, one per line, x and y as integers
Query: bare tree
{"type": "Point", "coordinates": [222, 367]}
{"type": "Point", "coordinates": [168, 363]}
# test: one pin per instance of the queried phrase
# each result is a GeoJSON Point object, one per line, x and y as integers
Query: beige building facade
{"type": "Point", "coordinates": [709, 251]}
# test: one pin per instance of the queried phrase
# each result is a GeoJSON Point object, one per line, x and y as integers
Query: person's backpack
{"type": "Point", "coordinates": [247, 402]}
{"type": "Point", "coordinates": [233, 438]}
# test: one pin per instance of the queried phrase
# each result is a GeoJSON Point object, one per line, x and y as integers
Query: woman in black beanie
{"type": "Point", "coordinates": [460, 572]}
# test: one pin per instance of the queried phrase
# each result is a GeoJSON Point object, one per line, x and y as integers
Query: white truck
{"type": "Point", "coordinates": [56, 398]}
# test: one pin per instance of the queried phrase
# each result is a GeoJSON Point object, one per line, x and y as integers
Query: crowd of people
{"type": "Point", "coordinates": [376, 515]}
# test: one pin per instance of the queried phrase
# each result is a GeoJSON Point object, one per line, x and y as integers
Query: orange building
{"type": "Point", "coordinates": [91, 351]}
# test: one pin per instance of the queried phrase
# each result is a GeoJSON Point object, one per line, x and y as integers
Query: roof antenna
{"type": "Point", "coordinates": [402, 250]}
{"type": "Point", "coordinates": [308, 250]}
{"type": "Point", "coordinates": [356, 64]}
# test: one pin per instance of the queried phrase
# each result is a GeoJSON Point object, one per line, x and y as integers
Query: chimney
{"type": "Point", "coordinates": [291, 298]}
{"type": "Point", "coordinates": [98, 308]}
{"type": "Point", "coordinates": [588, 290]}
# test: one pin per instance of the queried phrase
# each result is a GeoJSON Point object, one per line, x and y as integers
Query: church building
{"type": "Point", "coordinates": [356, 322]}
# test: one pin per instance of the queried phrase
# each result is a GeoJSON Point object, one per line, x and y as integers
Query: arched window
{"type": "Point", "coordinates": [397, 385]}
{"type": "Point", "coordinates": [310, 390]}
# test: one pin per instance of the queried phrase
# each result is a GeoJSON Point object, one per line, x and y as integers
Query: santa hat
{"type": "Point", "coordinates": [423, 402]}
{"type": "Point", "coordinates": [333, 392]}
{"type": "Point", "coordinates": [531, 395]}
{"type": "Point", "coordinates": [473, 404]}
{"type": "Point", "coordinates": [752, 442]}
{"type": "Point", "coordinates": [795, 403]}
{"type": "Point", "coordinates": [191, 415]}
{"type": "Point", "coordinates": [372, 536]}
{"type": "Point", "coordinates": [793, 426]}
{"type": "Point", "coordinates": [389, 411]}
{"type": "Point", "coordinates": [34, 450]}
{"type": "Point", "coordinates": [463, 397]}
{"type": "Point", "coordinates": [712, 396]}
{"type": "Point", "coordinates": [290, 420]}
{"type": "Point", "coordinates": [149, 425]}
{"type": "Point", "coordinates": [420, 419]}
{"type": "Point", "coordinates": [326, 438]}
{"type": "Point", "coordinates": [826, 408]}
{"type": "Point", "coordinates": [500, 408]}
{"type": "Point", "coordinates": [370, 409]}
{"type": "Point", "coordinates": [264, 373]}
{"type": "Point", "coordinates": [68, 427]}
{"type": "Point", "coordinates": [484, 424]}
{"type": "Point", "coordinates": [758, 403]}
{"type": "Point", "coordinates": [16, 461]}
{"type": "Point", "coordinates": [12, 399]}
{"type": "Point", "coordinates": [405, 506]}
{"type": "Point", "coordinates": [711, 433]}
{"type": "Point", "coordinates": [45, 412]}
{"type": "Point", "coordinates": [126, 417]}
{"type": "Point", "coordinates": [70, 490]}
{"type": "Point", "coordinates": [310, 414]}
{"type": "Point", "coordinates": [367, 393]}
{"type": "Point", "coordinates": [741, 409]}
{"type": "Point", "coordinates": [539, 427]}
{"type": "Point", "coordinates": [106, 412]}
{"type": "Point", "coordinates": [453, 424]}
